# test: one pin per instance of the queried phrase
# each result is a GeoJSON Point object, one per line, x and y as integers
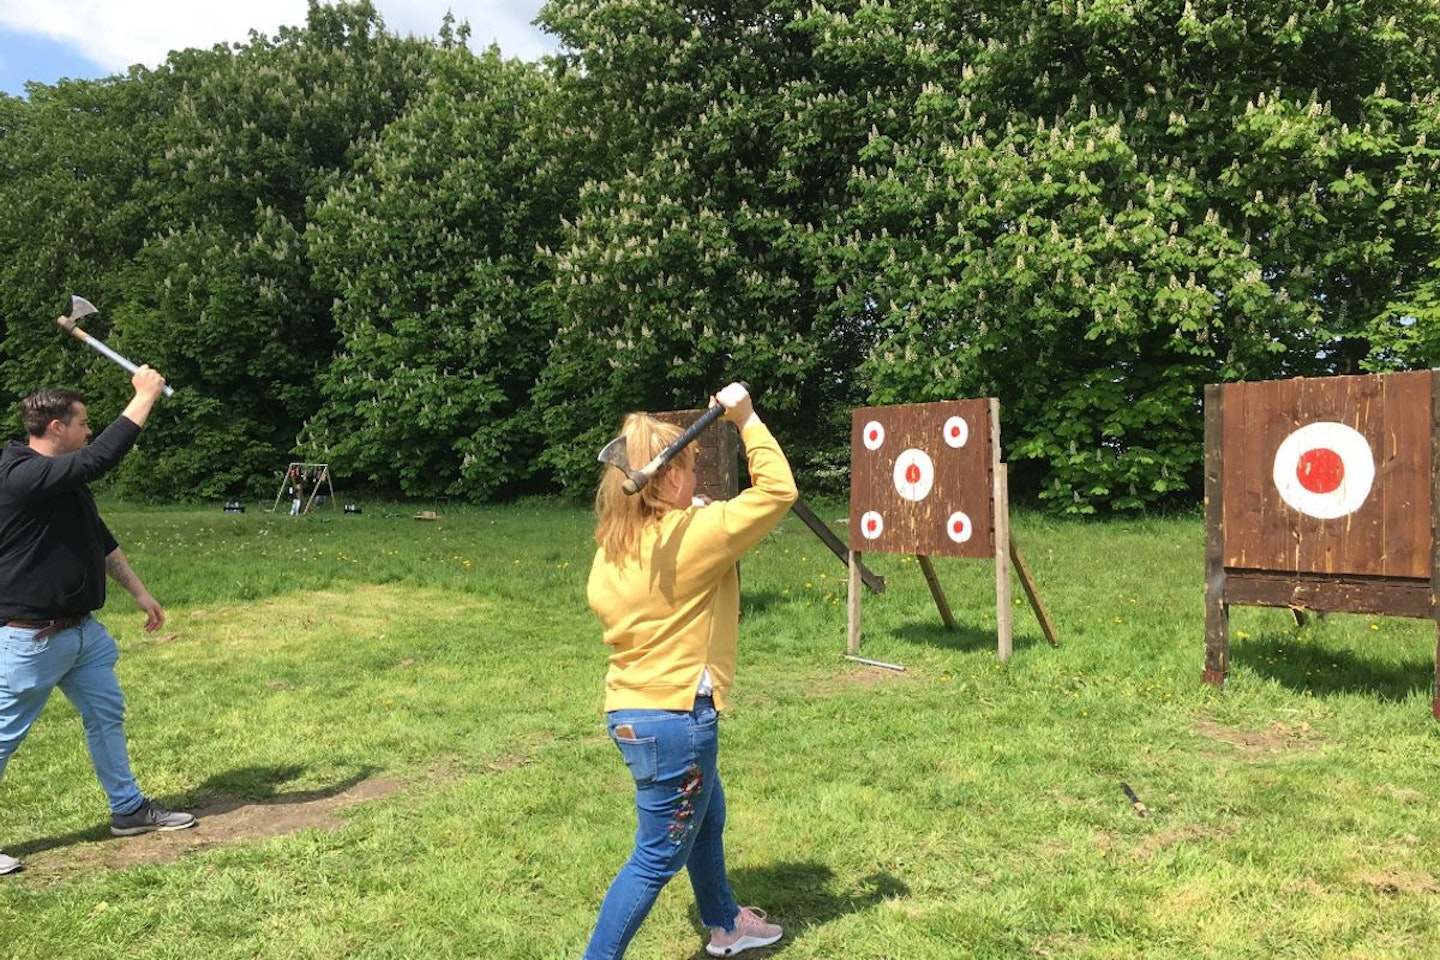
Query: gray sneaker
{"type": "Point", "coordinates": [9, 864]}
{"type": "Point", "coordinates": [147, 817]}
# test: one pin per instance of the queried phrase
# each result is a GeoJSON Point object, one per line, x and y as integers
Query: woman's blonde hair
{"type": "Point", "coordinates": [622, 517]}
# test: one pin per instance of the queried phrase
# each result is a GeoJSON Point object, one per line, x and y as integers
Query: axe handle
{"type": "Point", "coordinates": [99, 347]}
{"type": "Point", "coordinates": [637, 479]}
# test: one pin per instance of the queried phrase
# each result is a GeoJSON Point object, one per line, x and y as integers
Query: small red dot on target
{"type": "Point", "coordinates": [955, 431]}
{"type": "Point", "coordinates": [874, 435]}
{"type": "Point", "coordinates": [871, 525]}
{"type": "Point", "coordinates": [958, 526]}
{"type": "Point", "coordinates": [1320, 470]}
{"type": "Point", "coordinates": [912, 473]}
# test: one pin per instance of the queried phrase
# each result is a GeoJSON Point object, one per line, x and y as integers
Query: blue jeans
{"type": "Point", "coordinates": [680, 814]}
{"type": "Point", "coordinates": [81, 662]}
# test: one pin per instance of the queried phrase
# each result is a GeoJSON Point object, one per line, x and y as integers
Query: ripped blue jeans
{"type": "Point", "coordinates": [680, 813]}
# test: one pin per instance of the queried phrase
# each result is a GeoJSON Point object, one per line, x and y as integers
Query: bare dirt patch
{"type": "Point", "coordinates": [1149, 846]}
{"type": "Point", "coordinates": [223, 820]}
{"type": "Point", "coordinates": [1391, 881]}
{"type": "Point", "coordinates": [1276, 738]}
{"type": "Point", "coordinates": [868, 675]}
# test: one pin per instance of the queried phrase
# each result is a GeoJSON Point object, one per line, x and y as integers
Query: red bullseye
{"type": "Point", "coordinates": [872, 524]}
{"type": "Point", "coordinates": [873, 435]}
{"type": "Point", "coordinates": [1325, 469]}
{"type": "Point", "coordinates": [959, 527]}
{"type": "Point", "coordinates": [1320, 470]}
{"type": "Point", "coordinates": [914, 474]}
{"type": "Point", "coordinates": [956, 432]}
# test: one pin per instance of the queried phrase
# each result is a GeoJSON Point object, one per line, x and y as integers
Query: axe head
{"type": "Point", "coordinates": [79, 307]}
{"type": "Point", "coordinates": [614, 454]}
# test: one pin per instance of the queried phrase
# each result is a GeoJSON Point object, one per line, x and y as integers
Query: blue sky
{"type": "Point", "coordinates": [38, 58]}
{"type": "Point", "coordinates": [46, 40]}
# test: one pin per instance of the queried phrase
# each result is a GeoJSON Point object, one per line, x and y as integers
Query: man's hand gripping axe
{"type": "Point", "coordinates": [635, 480]}
{"type": "Point", "coordinates": [80, 307]}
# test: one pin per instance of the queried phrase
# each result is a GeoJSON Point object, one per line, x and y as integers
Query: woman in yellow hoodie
{"type": "Point", "coordinates": [665, 587]}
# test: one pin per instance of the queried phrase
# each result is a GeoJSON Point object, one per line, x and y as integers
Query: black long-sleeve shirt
{"type": "Point", "coordinates": [53, 543]}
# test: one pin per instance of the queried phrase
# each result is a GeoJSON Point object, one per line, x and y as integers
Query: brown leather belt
{"type": "Point", "coordinates": [48, 628]}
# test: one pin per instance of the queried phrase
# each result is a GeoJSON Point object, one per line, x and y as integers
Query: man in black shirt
{"type": "Point", "coordinates": [55, 552]}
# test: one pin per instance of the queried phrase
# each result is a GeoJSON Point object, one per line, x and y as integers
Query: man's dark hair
{"type": "Point", "coordinates": [55, 403]}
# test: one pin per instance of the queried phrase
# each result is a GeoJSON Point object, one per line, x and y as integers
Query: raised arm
{"type": "Point", "coordinates": [148, 385]}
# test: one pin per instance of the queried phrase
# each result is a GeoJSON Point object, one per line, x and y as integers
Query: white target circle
{"type": "Point", "coordinates": [956, 432]}
{"type": "Point", "coordinates": [1324, 469]}
{"type": "Point", "coordinates": [914, 474]}
{"type": "Point", "coordinates": [958, 527]}
{"type": "Point", "coordinates": [873, 435]}
{"type": "Point", "coordinates": [871, 525]}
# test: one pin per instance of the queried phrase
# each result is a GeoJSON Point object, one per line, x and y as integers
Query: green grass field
{"type": "Point", "coordinates": [393, 731]}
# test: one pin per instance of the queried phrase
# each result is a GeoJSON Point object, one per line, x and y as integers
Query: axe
{"type": "Point", "coordinates": [615, 454]}
{"type": "Point", "coordinates": [80, 307]}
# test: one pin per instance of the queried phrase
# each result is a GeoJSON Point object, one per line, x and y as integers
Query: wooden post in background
{"type": "Point", "coordinates": [852, 631]}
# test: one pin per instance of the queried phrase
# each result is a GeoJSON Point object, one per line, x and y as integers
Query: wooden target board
{"type": "Point", "coordinates": [927, 479]}
{"type": "Point", "coordinates": [717, 451]}
{"type": "Point", "coordinates": [1319, 496]}
{"type": "Point", "coordinates": [922, 478]}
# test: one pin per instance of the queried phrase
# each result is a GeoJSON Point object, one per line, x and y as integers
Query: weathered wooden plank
{"type": "Point", "coordinates": [1334, 594]}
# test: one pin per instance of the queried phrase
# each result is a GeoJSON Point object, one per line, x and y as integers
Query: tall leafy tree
{"type": "Point", "coordinates": [433, 249]}
{"type": "Point", "coordinates": [721, 142]}
{"type": "Point", "coordinates": [223, 287]}
{"type": "Point", "coordinates": [74, 207]}
{"type": "Point", "coordinates": [1094, 208]}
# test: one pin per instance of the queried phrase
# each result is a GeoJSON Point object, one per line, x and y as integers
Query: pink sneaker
{"type": "Point", "coordinates": [751, 930]}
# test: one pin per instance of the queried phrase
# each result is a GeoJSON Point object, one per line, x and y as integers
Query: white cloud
{"type": "Point", "coordinates": [118, 33]}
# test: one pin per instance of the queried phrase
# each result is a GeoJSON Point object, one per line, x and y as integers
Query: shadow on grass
{"type": "Point", "coordinates": [247, 785]}
{"type": "Point", "coordinates": [1324, 667]}
{"type": "Point", "coordinates": [755, 602]}
{"type": "Point", "coordinates": [798, 896]}
{"type": "Point", "coordinates": [233, 789]}
{"type": "Point", "coordinates": [963, 638]}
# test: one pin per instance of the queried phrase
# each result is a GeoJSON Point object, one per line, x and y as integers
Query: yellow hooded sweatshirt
{"type": "Point", "coordinates": [675, 610]}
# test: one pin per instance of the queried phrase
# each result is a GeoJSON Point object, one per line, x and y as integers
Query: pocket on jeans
{"type": "Point", "coordinates": [641, 755]}
{"type": "Point", "coordinates": [20, 668]}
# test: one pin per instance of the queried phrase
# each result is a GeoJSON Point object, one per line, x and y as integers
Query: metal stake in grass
{"type": "Point", "coordinates": [873, 663]}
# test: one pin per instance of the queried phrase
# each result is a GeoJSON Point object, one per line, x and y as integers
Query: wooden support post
{"type": "Point", "coordinates": [852, 632]}
{"type": "Point", "coordinates": [1004, 617]}
{"type": "Point", "coordinates": [827, 536]}
{"type": "Point", "coordinates": [1435, 534]}
{"type": "Point", "coordinates": [1217, 613]}
{"type": "Point", "coordinates": [1435, 702]}
{"type": "Point", "coordinates": [928, 568]}
{"type": "Point", "coordinates": [1028, 583]}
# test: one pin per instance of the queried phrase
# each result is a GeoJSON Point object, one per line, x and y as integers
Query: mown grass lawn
{"type": "Point", "coordinates": [395, 728]}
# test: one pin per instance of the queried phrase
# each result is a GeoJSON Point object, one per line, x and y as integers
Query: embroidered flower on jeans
{"type": "Point", "coordinates": [683, 822]}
